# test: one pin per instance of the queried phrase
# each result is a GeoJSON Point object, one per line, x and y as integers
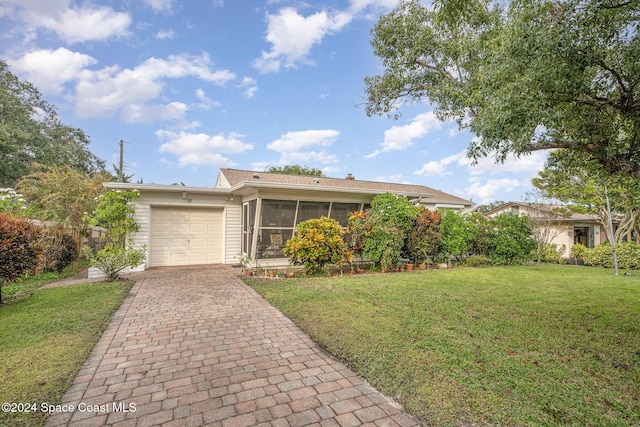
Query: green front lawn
{"type": "Point", "coordinates": [44, 340]}
{"type": "Point", "coordinates": [504, 346]}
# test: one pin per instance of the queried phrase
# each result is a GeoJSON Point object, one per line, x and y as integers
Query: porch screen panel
{"type": "Point", "coordinates": [278, 213]}
{"type": "Point", "coordinates": [276, 227]}
{"type": "Point", "coordinates": [312, 210]}
{"type": "Point", "coordinates": [341, 211]}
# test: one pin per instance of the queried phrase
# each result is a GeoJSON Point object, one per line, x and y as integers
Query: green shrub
{"type": "Point", "coordinates": [316, 243]}
{"type": "Point", "coordinates": [59, 250]}
{"type": "Point", "coordinates": [478, 261]}
{"type": "Point", "coordinates": [463, 234]}
{"type": "Point", "coordinates": [20, 246]}
{"type": "Point", "coordinates": [628, 254]}
{"type": "Point", "coordinates": [509, 239]}
{"type": "Point", "coordinates": [387, 224]}
{"type": "Point", "coordinates": [115, 212]}
{"type": "Point", "coordinates": [112, 259]}
{"type": "Point", "coordinates": [577, 252]}
{"type": "Point", "coordinates": [551, 253]}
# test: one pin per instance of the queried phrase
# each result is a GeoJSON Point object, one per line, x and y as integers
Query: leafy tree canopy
{"type": "Point", "coordinates": [523, 75]}
{"type": "Point", "coordinates": [31, 132]}
{"type": "Point", "coordinates": [62, 194]}
{"type": "Point", "coordinates": [295, 170]}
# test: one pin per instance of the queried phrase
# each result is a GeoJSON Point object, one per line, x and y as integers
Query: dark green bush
{"type": "Point", "coordinates": [509, 239]}
{"type": "Point", "coordinates": [387, 223]}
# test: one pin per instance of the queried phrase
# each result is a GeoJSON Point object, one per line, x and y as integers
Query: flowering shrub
{"type": "Point", "coordinates": [11, 201]}
{"type": "Point", "coordinates": [19, 246]}
{"type": "Point", "coordinates": [317, 243]}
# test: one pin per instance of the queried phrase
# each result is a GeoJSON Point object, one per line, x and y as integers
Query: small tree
{"type": "Point", "coordinates": [357, 232]}
{"type": "Point", "coordinates": [388, 221]}
{"type": "Point", "coordinates": [545, 222]}
{"type": "Point", "coordinates": [19, 247]}
{"type": "Point", "coordinates": [424, 239]}
{"type": "Point", "coordinates": [63, 195]}
{"type": "Point", "coordinates": [114, 212]}
{"type": "Point", "coordinates": [316, 243]}
{"type": "Point", "coordinates": [457, 234]}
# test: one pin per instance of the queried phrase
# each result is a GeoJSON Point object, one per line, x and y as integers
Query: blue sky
{"type": "Point", "coordinates": [195, 86]}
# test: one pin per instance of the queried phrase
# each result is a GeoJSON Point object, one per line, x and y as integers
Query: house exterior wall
{"type": "Point", "coordinates": [565, 230]}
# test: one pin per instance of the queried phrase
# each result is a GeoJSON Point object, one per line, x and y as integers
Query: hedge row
{"type": "Point", "coordinates": [25, 247]}
{"type": "Point", "coordinates": [627, 253]}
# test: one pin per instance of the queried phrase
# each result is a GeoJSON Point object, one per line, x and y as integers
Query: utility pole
{"type": "Point", "coordinates": [121, 168]}
{"type": "Point", "coordinates": [613, 240]}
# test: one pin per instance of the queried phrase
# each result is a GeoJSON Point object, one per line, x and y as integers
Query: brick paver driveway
{"type": "Point", "coordinates": [196, 346]}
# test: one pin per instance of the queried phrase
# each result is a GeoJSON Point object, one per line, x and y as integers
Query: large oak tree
{"type": "Point", "coordinates": [523, 76]}
{"type": "Point", "coordinates": [31, 132]}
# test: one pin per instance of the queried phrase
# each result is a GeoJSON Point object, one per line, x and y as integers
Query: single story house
{"type": "Point", "coordinates": [570, 230]}
{"type": "Point", "coordinates": [252, 213]}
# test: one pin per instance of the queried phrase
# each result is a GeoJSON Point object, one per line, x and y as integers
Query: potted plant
{"type": "Point", "coordinates": [245, 264]}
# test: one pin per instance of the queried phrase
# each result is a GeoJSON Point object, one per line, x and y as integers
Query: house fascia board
{"type": "Point", "coordinates": [165, 188]}
{"type": "Point", "coordinates": [281, 186]}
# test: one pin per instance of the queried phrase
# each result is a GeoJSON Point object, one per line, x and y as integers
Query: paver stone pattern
{"type": "Point", "coordinates": [197, 346]}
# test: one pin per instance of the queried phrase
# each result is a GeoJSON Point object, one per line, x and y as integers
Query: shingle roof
{"type": "Point", "coordinates": [573, 217]}
{"type": "Point", "coordinates": [237, 178]}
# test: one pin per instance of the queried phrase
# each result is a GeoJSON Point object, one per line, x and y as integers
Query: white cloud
{"type": "Point", "coordinates": [160, 5]}
{"type": "Point", "coordinates": [165, 34]}
{"type": "Point", "coordinates": [307, 158]}
{"type": "Point", "coordinates": [292, 36]}
{"type": "Point", "coordinates": [205, 102]}
{"type": "Point", "coordinates": [484, 193]}
{"type": "Point", "coordinates": [201, 149]}
{"type": "Point", "coordinates": [49, 70]}
{"type": "Point", "coordinates": [432, 168]}
{"type": "Point", "coordinates": [293, 147]}
{"type": "Point", "coordinates": [106, 92]}
{"type": "Point", "coordinates": [294, 141]}
{"type": "Point", "coordinates": [439, 167]}
{"type": "Point", "coordinates": [402, 137]}
{"type": "Point", "coordinates": [360, 5]}
{"type": "Point", "coordinates": [250, 87]}
{"type": "Point", "coordinates": [134, 113]}
{"type": "Point", "coordinates": [529, 165]}
{"type": "Point", "coordinates": [72, 24]}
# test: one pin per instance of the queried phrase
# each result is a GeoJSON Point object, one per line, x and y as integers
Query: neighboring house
{"type": "Point", "coordinates": [252, 213]}
{"type": "Point", "coordinates": [576, 228]}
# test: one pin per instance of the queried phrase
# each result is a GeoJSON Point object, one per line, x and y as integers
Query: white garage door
{"type": "Point", "coordinates": [181, 236]}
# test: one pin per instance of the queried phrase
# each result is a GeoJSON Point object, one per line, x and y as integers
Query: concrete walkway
{"type": "Point", "coordinates": [196, 346]}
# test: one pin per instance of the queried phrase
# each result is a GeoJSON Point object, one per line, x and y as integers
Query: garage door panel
{"type": "Point", "coordinates": [181, 236]}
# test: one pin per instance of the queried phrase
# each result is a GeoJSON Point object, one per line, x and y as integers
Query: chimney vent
{"type": "Point", "coordinates": [350, 177]}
